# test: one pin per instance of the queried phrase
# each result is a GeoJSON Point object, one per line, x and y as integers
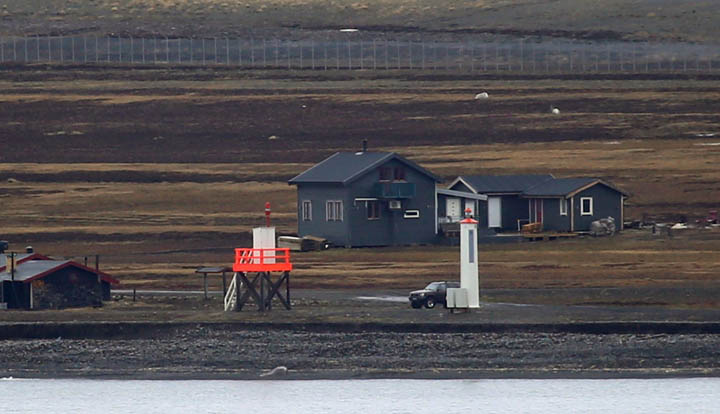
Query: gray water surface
{"type": "Point", "coordinates": [676, 395]}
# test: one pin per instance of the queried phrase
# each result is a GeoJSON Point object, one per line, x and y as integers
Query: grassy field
{"type": "Point", "coordinates": [159, 171]}
{"type": "Point", "coordinates": [654, 20]}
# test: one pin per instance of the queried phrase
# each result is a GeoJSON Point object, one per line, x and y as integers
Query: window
{"type": "Point", "coordinates": [306, 210]}
{"type": "Point", "coordinates": [411, 214]}
{"type": "Point", "coordinates": [334, 210]}
{"type": "Point", "coordinates": [386, 174]}
{"type": "Point", "coordinates": [563, 207]}
{"type": "Point", "coordinates": [586, 206]}
{"type": "Point", "coordinates": [373, 209]}
{"type": "Point", "coordinates": [399, 173]}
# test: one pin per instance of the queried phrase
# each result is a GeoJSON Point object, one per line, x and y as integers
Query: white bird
{"type": "Point", "coordinates": [483, 95]}
{"type": "Point", "coordinates": [555, 110]}
{"type": "Point", "coordinates": [276, 372]}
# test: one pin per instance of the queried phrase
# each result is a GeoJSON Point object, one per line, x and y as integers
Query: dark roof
{"type": "Point", "coordinates": [563, 187]}
{"type": "Point", "coordinates": [488, 184]}
{"type": "Point", "coordinates": [345, 167]}
{"type": "Point", "coordinates": [36, 269]}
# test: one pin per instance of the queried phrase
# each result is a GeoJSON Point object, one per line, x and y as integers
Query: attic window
{"type": "Point", "coordinates": [399, 173]}
{"type": "Point", "coordinates": [386, 174]}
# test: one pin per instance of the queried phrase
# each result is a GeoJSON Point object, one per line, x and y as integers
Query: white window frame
{"type": "Point", "coordinates": [563, 207]}
{"type": "Point", "coordinates": [411, 214]}
{"type": "Point", "coordinates": [582, 206]}
{"type": "Point", "coordinates": [306, 213]}
{"type": "Point", "coordinates": [334, 210]}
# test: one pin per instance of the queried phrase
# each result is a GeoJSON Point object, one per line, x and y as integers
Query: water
{"type": "Point", "coordinates": [676, 395]}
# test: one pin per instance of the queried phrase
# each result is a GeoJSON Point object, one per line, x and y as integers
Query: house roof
{"type": "Point", "coordinates": [565, 187]}
{"type": "Point", "coordinates": [462, 194]}
{"type": "Point", "coordinates": [345, 167]}
{"type": "Point", "coordinates": [20, 258]}
{"type": "Point", "coordinates": [37, 269]}
{"type": "Point", "coordinates": [496, 184]}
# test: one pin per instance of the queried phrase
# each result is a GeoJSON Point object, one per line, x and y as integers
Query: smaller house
{"type": "Point", "coordinates": [358, 199]}
{"type": "Point", "coordinates": [572, 204]}
{"type": "Point", "coordinates": [559, 204]}
{"type": "Point", "coordinates": [41, 283]}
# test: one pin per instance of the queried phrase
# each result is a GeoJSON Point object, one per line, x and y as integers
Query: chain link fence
{"type": "Point", "coordinates": [520, 56]}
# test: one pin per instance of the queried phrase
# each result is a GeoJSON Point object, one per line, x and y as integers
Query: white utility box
{"type": "Point", "coordinates": [457, 298]}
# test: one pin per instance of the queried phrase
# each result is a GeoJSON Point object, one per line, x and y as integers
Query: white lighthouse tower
{"type": "Point", "coordinates": [469, 260]}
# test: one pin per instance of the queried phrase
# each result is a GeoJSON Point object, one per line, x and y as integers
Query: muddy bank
{"type": "Point", "coordinates": [218, 351]}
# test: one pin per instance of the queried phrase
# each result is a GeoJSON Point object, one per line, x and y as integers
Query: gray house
{"type": "Point", "coordinates": [356, 199]}
{"type": "Point", "coordinates": [571, 204]}
{"type": "Point", "coordinates": [504, 208]}
{"type": "Point", "coordinates": [560, 204]}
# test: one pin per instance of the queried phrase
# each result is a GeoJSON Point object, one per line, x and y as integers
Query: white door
{"type": "Point", "coordinates": [494, 216]}
{"type": "Point", "coordinates": [452, 208]}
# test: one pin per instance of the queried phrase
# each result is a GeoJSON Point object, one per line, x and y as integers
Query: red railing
{"type": "Point", "coordinates": [262, 260]}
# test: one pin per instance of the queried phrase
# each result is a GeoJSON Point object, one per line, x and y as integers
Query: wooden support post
{"type": "Point", "coordinates": [224, 284]}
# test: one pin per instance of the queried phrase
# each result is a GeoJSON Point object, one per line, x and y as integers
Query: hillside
{"type": "Point", "coordinates": [686, 21]}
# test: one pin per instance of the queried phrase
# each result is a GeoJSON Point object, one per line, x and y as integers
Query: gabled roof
{"type": "Point", "coordinates": [345, 167]}
{"type": "Point", "coordinates": [37, 269]}
{"type": "Point", "coordinates": [566, 187]}
{"type": "Point", "coordinates": [499, 184]}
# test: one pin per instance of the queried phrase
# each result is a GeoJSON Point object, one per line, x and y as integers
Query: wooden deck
{"type": "Point", "coordinates": [548, 236]}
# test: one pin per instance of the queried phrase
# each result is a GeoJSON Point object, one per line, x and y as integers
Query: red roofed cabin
{"type": "Point", "coordinates": [40, 283]}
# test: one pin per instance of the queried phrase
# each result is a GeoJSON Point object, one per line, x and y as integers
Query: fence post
{"type": "Point", "coordinates": [155, 48]}
{"type": "Point", "coordinates": [37, 44]}
{"type": "Point", "coordinates": [215, 54]}
{"type": "Point", "coordinates": [410, 55]}
{"type": "Point", "coordinates": [522, 56]}
{"type": "Point", "coordinates": [25, 46]}
{"type": "Point", "coordinates": [288, 56]}
{"type": "Point", "coordinates": [85, 48]}
{"type": "Point", "coordinates": [179, 50]}
{"type": "Point", "coordinates": [132, 50]}
{"type": "Point", "coordinates": [167, 50]}
{"type": "Point", "coordinates": [264, 46]}
{"type": "Point", "coordinates": [227, 51]}
{"type": "Point", "coordinates": [49, 49]}
{"type": "Point", "coordinates": [337, 54]}
{"type": "Point", "coordinates": [302, 57]}
{"type": "Point", "coordinates": [397, 46]}
{"type": "Point", "coordinates": [361, 54]}
{"type": "Point", "coordinates": [192, 50]}
{"type": "Point", "coordinates": [120, 49]}
{"type": "Point", "coordinates": [252, 52]}
{"type": "Point", "coordinates": [97, 59]}
{"type": "Point", "coordinates": [203, 52]}
{"type": "Point", "coordinates": [422, 52]}
{"type": "Point", "coordinates": [312, 54]}
{"type": "Point", "coordinates": [349, 49]}
{"type": "Point", "coordinates": [374, 54]}
{"type": "Point", "coordinates": [277, 55]}
{"type": "Point", "coordinates": [387, 60]}
{"type": "Point", "coordinates": [325, 59]}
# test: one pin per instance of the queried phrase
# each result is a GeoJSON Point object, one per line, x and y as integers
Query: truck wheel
{"type": "Point", "coordinates": [430, 303]}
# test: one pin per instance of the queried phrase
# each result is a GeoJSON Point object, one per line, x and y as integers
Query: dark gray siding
{"type": "Point", "coordinates": [335, 231]}
{"type": "Point", "coordinates": [606, 203]}
{"type": "Point", "coordinates": [392, 228]}
{"type": "Point", "coordinates": [552, 220]}
{"type": "Point", "coordinates": [513, 208]}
